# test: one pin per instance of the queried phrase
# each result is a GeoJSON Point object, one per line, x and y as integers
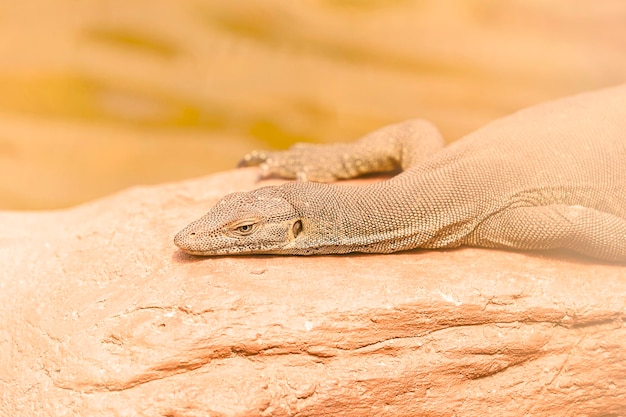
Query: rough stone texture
{"type": "Point", "coordinates": [100, 314]}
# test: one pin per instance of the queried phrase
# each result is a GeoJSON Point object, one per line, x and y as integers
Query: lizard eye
{"type": "Point", "coordinates": [243, 229]}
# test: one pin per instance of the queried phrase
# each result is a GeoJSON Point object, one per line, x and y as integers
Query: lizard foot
{"type": "Point", "coordinates": [387, 149]}
{"type": "Point", "coordinates": [303, 161]}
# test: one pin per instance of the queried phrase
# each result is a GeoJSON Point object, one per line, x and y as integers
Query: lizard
{"type": "Point", "coordinates": [551, 176]}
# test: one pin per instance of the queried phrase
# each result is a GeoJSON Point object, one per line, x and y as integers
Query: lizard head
{"type": "Point", "coordinates": [258, 221]}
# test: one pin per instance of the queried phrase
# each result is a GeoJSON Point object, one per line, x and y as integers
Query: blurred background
{"type": "Point", "coordinates": [99, 95]}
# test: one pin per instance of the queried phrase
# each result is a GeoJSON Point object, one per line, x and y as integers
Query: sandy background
{"type": "Point", "coordinates": [96, 96]}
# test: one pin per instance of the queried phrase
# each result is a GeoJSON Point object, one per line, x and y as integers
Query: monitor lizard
{"type": "Point", "coordinates": [549, 176]}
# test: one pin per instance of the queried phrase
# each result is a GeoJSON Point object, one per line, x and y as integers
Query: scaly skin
{"type": "Point", "coordinates": [551, 176]}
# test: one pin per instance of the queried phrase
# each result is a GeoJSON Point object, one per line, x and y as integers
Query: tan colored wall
{"type": "Point", "coordinates": [96, 96]}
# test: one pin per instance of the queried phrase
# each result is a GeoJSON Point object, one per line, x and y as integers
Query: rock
{"type": "Point", "coordinates": [102, 315]}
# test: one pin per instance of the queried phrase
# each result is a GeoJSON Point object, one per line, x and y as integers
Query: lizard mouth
{"type": "Point", "coordinates": [229, 252]}
{"type": "Point", "coordinates": [192, 243]}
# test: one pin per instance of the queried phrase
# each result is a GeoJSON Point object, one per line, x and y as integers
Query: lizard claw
{"type": "Point", "coordinates": [299, 162]}
{"type": "Point", "coordinates": [253, 158]}
{"type": "Point", "coordinates": [264, 171]}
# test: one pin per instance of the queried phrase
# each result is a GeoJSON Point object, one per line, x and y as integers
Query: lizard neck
{"type": "Point", "coordinates": [383, 217]}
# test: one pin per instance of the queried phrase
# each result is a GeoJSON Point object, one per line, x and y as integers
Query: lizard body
{"type": "Point", "coordinates": [550, 176]}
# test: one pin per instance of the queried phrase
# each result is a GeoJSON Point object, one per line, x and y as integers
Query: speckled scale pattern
{"type": "Point", "coordinates": [551, 176]}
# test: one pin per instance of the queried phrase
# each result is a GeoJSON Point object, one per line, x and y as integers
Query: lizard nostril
{"type": "Point", "coordinates": [192, 234]}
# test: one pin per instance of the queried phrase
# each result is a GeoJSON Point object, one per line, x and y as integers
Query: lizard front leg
{"type": "Point", "coordinates": [582, 229]}
{"type": "Point", "coordinates": [392, 147]}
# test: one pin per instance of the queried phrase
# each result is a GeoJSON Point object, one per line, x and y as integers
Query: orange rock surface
{"type": "Point", "coordinates": [100, 314]}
